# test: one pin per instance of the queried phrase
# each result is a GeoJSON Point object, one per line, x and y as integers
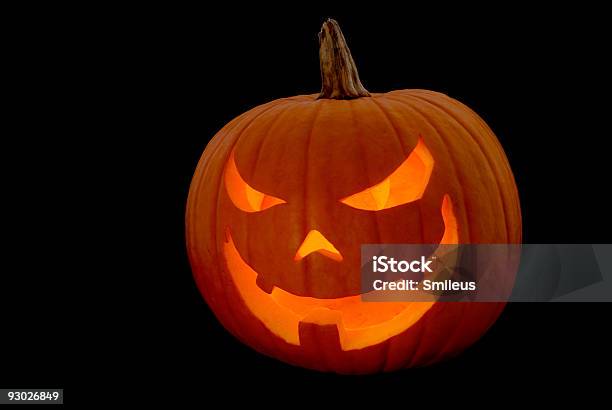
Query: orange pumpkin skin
{"type": "Point", "coordinates": [312, 152]}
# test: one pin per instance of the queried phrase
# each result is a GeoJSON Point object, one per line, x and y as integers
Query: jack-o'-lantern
{"type": "Point", "coordinates": [284, 196]}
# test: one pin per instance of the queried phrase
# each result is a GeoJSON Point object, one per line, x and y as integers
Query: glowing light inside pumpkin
{"type": "Point", "coordinates": [316, 242]}
{"type": "Point", "coordinates": [406, 184]}
{"type": "Point", "coordinates": [245, 197]}
{"type": "Point", "coordinates": [360, 324]}
{"type": "Point", "coordinates": [451, 231]}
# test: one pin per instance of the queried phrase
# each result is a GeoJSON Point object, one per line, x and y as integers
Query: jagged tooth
{"type": "Point", "coordinates": [322, 333]}
{"type": "Point", "coordinates": [264, 284]}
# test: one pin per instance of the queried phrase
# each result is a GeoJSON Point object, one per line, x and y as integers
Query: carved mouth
{"type": "Point", "coordinates": [359, 324]}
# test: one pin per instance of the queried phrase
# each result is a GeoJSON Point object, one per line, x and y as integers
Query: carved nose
{"type": "Point", "coordinates": [316, 242]}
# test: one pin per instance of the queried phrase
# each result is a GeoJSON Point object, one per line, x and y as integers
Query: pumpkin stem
{"type": "Point", "coordinates": [339, 76]}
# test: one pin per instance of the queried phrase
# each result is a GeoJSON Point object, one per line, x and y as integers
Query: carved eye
{"type": "Point", "coordinates": [245, 197]}
{"type": "Point", "coordinates": [406, 184]}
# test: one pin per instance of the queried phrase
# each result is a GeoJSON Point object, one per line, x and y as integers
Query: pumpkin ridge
{"type": "Point", "coordinates": [500, 195]}
{"type": "Point", "coordinates": [450, 159]}
{"type": "Point", "coordinates": [484, 125]}
{"type": "Point", "coordinates": [262, 140]}
{"type": "Point", "coordinates": [401, 142]}
{"type": "Point", "coordinates": [194, 191]}
{"type": "Point", "coordinates": [220, 277]}
{"type": "Point", "coordinates": [442, 354]}
{"type": "Point", "coordinates": [417, 352]}
{"type": "Point", "coordinates": [305, 222]}
{"type": "Point", "coordinates": [370, 182]}
{"type": "Point", "coordinates": [275, 120]}
{"type": "Point", "coordinates": [193, 199]}
{"type": "Point", "coordinates": [230, 129]}
{"type": "Point", "coordinates": [506, 164]}
{"type": "Point", "coordinates": [385, 356]}
{"type": "Point", "coordinates": [450, 338]}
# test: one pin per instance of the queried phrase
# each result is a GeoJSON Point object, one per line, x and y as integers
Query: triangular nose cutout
{"type": "Point", "coordinates": [316, 242]}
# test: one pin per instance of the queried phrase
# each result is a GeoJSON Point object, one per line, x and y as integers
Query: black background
{"type": "Point", "coordinates": [114, 108]}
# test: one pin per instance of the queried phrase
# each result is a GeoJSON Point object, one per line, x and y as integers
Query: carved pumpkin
{"type": "Point", "coordinates": [285, 194]}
